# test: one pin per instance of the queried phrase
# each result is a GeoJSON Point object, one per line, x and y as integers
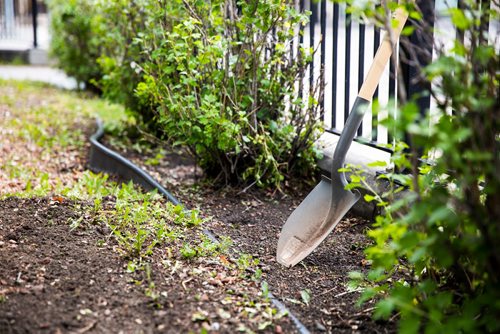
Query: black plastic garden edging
{"type": "Point", "coordinates": [102, 159]}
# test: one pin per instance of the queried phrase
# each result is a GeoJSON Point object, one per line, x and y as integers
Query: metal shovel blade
{"type": "Point", "coordinates": [313, 220]}
{"type": "Point", "coordinates": [319, 213]}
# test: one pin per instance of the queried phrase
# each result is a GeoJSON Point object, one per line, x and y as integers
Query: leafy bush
{"type": "Point", "coordinates": [218, 77]}
{"type": "Point", "coordinates": [73, 39]}
{"type": "Point", "coordinates": [118, 24]}
{"type": "Point", "coordinates": [223, 76]}
{"type": "Point", "coordinates": [93, 41]}
{"type": "Point", "coordinates": [436, 255]}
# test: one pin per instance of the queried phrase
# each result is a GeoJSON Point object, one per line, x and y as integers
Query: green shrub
{"type": "Point", "coordinates": [95, 42]}
{"type": "Point", "coordinates": [73, 39]}
{"type": "Point", "coordinates": [436, 255]}
{"type": "Point", "coordinates": [118, 25]}
{"type": "Point", "coordinates": [221, 75]}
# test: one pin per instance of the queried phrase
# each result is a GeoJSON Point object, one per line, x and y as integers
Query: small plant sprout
{"type": "Point", "coordinates": [75, 223]}
{"type": "Point", "coordinates": [264, 288]}
{"type": "Point", "coordinates": [187, 251]}
{"type": "Point", "coordinates": [305, 295]}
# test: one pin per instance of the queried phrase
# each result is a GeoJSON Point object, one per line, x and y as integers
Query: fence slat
{"type": "Point", "coordinates": [376, 43]}
{"type": "Point", "coordinates": [312, 33]}
{"type": "Point", "coordinates": [335, 42]}
{"type": "Point", "coordinates": [347, 69]}
{"type": "Point", "coordinates": [361, 68]}
{"type": "Point", "coordinates": [323, 51]}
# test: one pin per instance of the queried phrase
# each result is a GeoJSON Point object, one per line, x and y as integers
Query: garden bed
{"type": "Point", "coordinates": [59, 282]}
{"type": "Point", "coordinates": [61, 269]}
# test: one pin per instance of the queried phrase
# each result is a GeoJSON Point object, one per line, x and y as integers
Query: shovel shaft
{"type": "Point", "coordinates": [351, 127]}
{"type": "Point", "coordinates": [324, 207]}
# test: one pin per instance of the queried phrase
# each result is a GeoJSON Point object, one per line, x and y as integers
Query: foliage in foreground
{"type": "Point", "coordinates": [219, 78]}
{"type": "Point", "coordinates": [436, 255]}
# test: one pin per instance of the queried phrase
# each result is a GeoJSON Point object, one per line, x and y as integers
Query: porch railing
{"type": "Point", "coordinates": [18, 22]}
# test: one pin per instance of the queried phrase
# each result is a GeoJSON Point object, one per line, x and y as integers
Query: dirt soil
{"type": "Point", "coordinates": [54, 281]}
{"type": "Point", "coordinates": [253, 219]}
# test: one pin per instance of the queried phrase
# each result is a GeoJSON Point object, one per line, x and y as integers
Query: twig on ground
{"type": "Point", "coordinates": [365, 311]}
{"type": "Point", "coordinates": [86, 328]}
{"type": "Point", "coordinates": [340, 294]}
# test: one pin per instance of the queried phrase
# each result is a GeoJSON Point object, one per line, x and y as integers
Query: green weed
{"type": "Point", "coordinates": [246, 261]}
{"type": "Point", "coordinates": [188, 252]}
{"type": "Point", "coordinates": [434, 254]}
{"type": "Point", "coordinates": [154, 161]}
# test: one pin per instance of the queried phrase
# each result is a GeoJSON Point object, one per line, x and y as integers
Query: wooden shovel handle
{"type": "Point", "coordinates": [382, 57]}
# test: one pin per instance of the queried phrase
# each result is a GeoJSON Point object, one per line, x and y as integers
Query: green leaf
{"type": "Point", "coordinates": [376, 274]}
{"type": "Point", "coordinates": [355, 275]}
{"type": "Point", "coordinates": [384, 308]}
{"type": "Point", "coordinates": [355, 178]}
{"type": "Point", "coordinates": [368, 198]}
{"type": "Point", "coordinates": [416, 15]}
{"type": "Point", "coordinates": [409, 324]}
{"type": "Point", "coordinates": [367, 294]}
{"type": "Point", "coordinates": [409, 240]}
{"type": "Point", "coordinates": [265, 289]}
{"type": "Point", "coordinates": [418, 254]}
{"type": "Point", "coordinates": [484, 54]}
{"type": "Point", "coordinates": [306, 296]}
{"type": "Point", "coordinates": [407, 31]}
{"type": "Point", "coordinates": [378, 163]}
{"type": "Point", "coordinates": [439, 215]}
{"type": "Point", "coordinates": [459, 19]}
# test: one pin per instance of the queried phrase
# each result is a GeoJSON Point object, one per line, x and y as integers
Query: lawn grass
{"type": "Point", "coordinates": [43, 135]}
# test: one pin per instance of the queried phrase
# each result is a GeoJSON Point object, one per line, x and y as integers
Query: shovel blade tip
{"type": "Point", "coordinates": [290, 250]}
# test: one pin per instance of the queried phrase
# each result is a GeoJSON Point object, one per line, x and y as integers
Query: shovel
{"type": "Point", "coordinates": [319, 213]}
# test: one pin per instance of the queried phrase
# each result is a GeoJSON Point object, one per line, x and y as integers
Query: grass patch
{"type": "Point", "coordinates": [43, 135]}
{"type": "Point", "coordinates": [54, 110]}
